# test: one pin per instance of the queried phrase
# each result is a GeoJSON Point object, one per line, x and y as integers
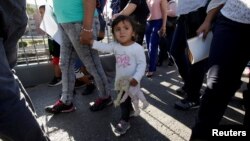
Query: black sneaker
{"type": "Point", "coordinates": [55, 81]}
{"type": "Point", "coordinates": [100, 104]}
{"type": "Point", "coordinates": [181, 92]}
{"type": "Point", "coordinates": [89, 89]}
{"type": "Point", "coordinates": [60, 107]}
{"type": "Point", "coordinates": [186, 104]}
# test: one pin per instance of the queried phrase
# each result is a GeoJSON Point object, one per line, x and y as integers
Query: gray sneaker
{"type": "Point", "coordinates": [121, 128]}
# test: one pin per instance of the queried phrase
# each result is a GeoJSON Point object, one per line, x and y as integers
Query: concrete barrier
{"type": "Point", "coordinates": [36, 74]}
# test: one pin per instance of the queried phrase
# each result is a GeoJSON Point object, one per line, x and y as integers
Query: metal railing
{"type": "Point", "coordinates": [34, 49]}
{"type": "Point", "coordinates": [33, 46]}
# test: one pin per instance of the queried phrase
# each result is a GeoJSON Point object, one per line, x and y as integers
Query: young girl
{"type": "Point", "coordinates": [130, 61]}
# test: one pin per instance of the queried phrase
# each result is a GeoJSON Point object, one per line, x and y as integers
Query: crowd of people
{"type": "Point", "coordinates": [167, 24]}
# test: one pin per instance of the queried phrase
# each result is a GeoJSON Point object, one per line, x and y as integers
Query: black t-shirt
{"type": "Point", "coordinates": [141, 12]}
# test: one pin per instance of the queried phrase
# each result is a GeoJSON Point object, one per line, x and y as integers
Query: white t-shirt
{"type": "Point", "coordinates": [130, 60]}
{"type": "Point", "coordinates": [215, 3]}
{"type": "Point", "coordinates": [237, 10]}
{"type": "Point", "coordinates": [187, 6]}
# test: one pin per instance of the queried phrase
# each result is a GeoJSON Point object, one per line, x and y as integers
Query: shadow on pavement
{"type": "Point", "coordinates": [159, 122]}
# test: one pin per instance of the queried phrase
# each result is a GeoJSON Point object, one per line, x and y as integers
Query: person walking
{"type": "Point", "coordinates": [166, 41]}
{"type": "Point", "coordinates": [156, 27]}
{"type": "Point", "coordinates": [191, 16]}
{"type": "Point", "coordinates": [79, 26]}
{"type": "Point", "coordinates": [130, 63]}
{"type": "Point", "coordinates": [229, 51]}
{"type": "Point", "coordinates": [18, 118]}
{"type": "Point", "coordinates": [54, 50]}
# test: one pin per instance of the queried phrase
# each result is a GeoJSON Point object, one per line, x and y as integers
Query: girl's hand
{"type": "Point", "coordinates": [101, 35]}
{"type": "Point", "coordinates": [133, 82]}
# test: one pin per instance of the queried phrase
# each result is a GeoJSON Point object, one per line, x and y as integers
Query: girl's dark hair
{"type": "Point", "coordinates": [122, 18]}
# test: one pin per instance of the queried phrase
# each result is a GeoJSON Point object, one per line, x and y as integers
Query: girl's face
{"type": "Point", "coordinates": [123, 33]}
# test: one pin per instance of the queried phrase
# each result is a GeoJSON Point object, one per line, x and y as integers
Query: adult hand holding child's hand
{"type": "Point", "coordinates": [86, 36]}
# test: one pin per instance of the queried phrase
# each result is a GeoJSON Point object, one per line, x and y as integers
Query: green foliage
{"type": "Point", "coordinates": [30, 10]}
{"type": "Point", "coordinates": [31, 42]}
{"type": "Point", "coordinates": [35, 42]}
{"type": "Point", "coordinates": [23, 44]}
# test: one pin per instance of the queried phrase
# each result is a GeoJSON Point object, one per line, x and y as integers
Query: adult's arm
{"type": "Point", "coordinates": [128, 9]}
{"type": "Point", "coordinates": [87, 30]}
{"type": "Point", "coordinates": [104, 47]}
{"type": "Point", "coordinates": [164, 5]}
{"type": "Point", "coordinates": [211, 14]}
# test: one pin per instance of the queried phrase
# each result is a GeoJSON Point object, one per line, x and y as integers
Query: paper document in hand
{"type": "Point", "coordinates": [198, 48]}
{"type": "Point", "coordinates": [50, 26]}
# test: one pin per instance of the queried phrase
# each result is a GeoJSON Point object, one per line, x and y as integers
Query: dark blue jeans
{"type": "Point", "coordinates": [192, 75]}
{"type": "Point", "coordinates": [229, 55]}
{"type": "Point", "coordinates": [152, 39]}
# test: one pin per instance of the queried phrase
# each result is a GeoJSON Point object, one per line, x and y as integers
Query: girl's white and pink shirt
{"type": "Point", "coordinates": [130, 60]}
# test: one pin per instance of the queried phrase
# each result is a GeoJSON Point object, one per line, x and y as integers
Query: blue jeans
{"type": "Point", "coordinates": [71, 47]}
{"type": "Point", "coordinates": [229, 54]}
{"type": "Point", "coordinates": [152, 39]}
{"type": "Point", "coordinates": [17, 115]}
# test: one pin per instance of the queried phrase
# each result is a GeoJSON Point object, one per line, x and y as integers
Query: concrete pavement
{"type": "Point", "coordinates": [159, 122]}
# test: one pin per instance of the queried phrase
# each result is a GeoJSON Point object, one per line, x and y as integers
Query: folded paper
{"type": "Point", "coordinates": [198, 48]}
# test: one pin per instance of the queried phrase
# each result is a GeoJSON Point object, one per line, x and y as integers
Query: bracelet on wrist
{"type": "Point", "coordinates": [87, 30]}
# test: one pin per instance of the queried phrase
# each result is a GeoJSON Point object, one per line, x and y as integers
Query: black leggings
{"type": "Point", "coordinates": [126, 108]}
